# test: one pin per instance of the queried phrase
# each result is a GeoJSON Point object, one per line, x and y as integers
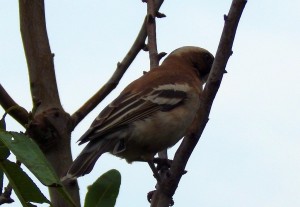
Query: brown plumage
{"type": "Point", "coordinates": [151, 114]}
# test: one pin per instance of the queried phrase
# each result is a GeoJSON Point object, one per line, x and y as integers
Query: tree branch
{"type": "Point", "coordinates": [50, 124]}
{"type": "Point", "coordinates": [5, 196]}
{"type": "Point", "coordinates": [111, 84]}
{"type": "Point", "coordinates": [153, 55]}
{"type": "Point", "coordinates": [169, 185]}
{"type": "Point", "coordinates": [12, 108]}
{"type": "Point", "coordinates": [38, 55]}
{"type": "Point", "coordinates": [151, 31]}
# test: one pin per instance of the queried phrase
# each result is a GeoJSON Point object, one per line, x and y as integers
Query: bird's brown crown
{"type": "Point", "coordinates": [197, 57]}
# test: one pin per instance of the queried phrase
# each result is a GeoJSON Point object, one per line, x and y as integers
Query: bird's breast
{"type": "Point", "coordinates": [159, 131]}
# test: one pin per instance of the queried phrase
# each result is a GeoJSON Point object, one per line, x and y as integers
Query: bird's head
{"type": "Point", "coordinates": [197, 57]}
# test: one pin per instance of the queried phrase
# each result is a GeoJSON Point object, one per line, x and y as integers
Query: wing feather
{"type": "Point", "coordinates": [128, 108]}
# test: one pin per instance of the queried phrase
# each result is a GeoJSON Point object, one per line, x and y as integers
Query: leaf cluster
{"type": "Point", "coordinates": [102, 193]}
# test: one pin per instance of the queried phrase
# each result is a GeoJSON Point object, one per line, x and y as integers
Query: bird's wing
{"type": "Point", "coordinates": [129, 107]}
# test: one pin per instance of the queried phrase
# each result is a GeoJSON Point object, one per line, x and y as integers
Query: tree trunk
{"type": "Point", "coordinates": [49, 124]}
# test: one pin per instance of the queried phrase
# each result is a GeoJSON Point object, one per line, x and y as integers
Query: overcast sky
{"type": "Point", "coordinates": [249, 154]}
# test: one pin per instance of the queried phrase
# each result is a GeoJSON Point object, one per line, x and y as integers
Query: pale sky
{"type": "Point", "coordinates": [249, 153]}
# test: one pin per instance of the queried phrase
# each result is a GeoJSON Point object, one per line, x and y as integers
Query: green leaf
{"type": "Point", "coordinates": [104, 192]}
{"type": "Point", "coordinates": [1, 180]}
{"type": "Point", "coordinates": [23, 186]}
{"type": "Point", "coordinates": [4, 152]}
{"type": "Point", "coordinates": [2, 123]}
{"type": "Point", "coordinates": [28, 152]}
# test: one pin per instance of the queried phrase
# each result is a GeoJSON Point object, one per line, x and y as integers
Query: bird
{"type": "Point", "coordinates": [150, 115]}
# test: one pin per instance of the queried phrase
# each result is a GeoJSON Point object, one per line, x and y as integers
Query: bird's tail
{"type": "Point", "coordinates": [86, 160]}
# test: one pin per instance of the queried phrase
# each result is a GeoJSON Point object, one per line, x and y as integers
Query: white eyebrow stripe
{"type": "Point", "coordinates": [162, 100]}
{"type": "Point", "coordinates": [175, 87]}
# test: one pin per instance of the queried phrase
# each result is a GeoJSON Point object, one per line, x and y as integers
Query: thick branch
{"type": "Point", "coordinates": [138, 44]}
{"type": "Point", "coordinates": [12, 108]}
{"type": "Point", "coordinates": [169, 185]}
{"type": "Point", "coordinates": [49, 126]}
{"type": "Point", "coordinates": [38, 55]}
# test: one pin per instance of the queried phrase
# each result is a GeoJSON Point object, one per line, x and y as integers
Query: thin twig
{"type": "Point", "coordinates": [169, 185]}
{"type": "Point", "coordinates": [152, 47]}
{"type": "Point", "coordinates": [151, 31]}
{"type": "Point", "coordinates": [111, 84]}
{"type": "Point", "coordinates": [5, 196]}
{"type": "Point", "coordinates": [18, 113]}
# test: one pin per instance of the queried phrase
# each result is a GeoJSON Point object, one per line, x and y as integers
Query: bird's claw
{"type": "Point", "coordinates": [162, 163]}
{"type": "Point", "coordinates": [151, 193]}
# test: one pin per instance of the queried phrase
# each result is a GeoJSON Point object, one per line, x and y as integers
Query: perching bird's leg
{"type": "Point", "coordinates": [162, 164]}
{"type": "Point", "coordinates": [155, 171]}
{"type": "Point", "coordinates": [162, 169]}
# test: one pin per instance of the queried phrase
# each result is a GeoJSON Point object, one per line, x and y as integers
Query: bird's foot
{"type": "Point", "coordinates": [162, 163]}
{"type": "Point", "coordinates": [158, 166]}
{"type": "Point", "coordinates": [150, 195]}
